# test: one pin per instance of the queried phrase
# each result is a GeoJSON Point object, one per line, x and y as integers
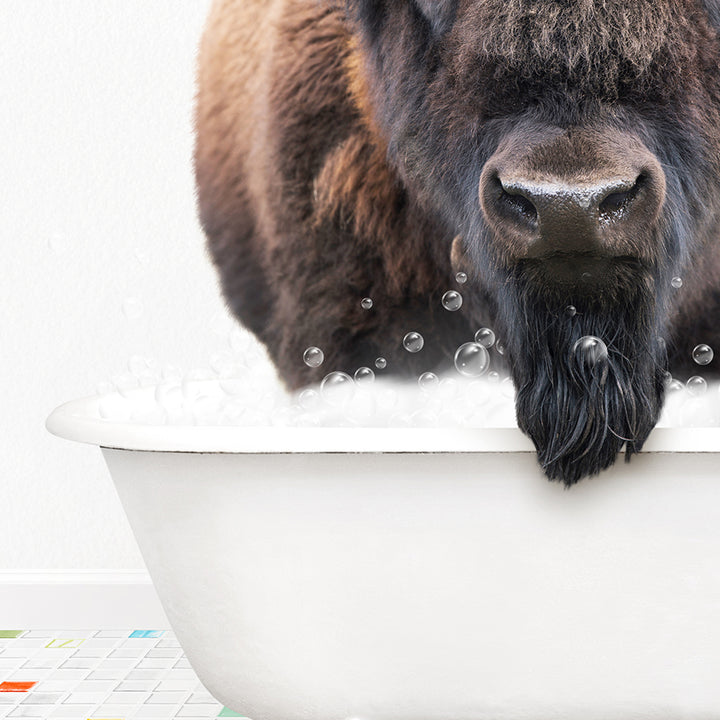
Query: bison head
{"type": "Point", "coordinates": [573, 149]}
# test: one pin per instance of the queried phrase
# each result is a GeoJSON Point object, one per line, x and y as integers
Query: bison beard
{"type": "Point", "coordinates": [579, 413]}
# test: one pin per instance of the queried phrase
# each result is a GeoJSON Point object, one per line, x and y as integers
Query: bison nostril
{"type": "Point", "coordinates": [515, 203]}
{"type": "Point", "coordinates": [616, 202]}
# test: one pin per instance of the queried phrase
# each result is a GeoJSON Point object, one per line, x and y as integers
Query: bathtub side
{"type": "Point", "coordinates": [409, 586]}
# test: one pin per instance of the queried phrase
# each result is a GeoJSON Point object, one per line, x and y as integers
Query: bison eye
{"type": "Point", "coordinates": [614, 202]}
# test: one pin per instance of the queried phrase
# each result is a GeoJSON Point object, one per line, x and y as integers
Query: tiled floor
{"type": "Point", "coordinates": [100, 675]}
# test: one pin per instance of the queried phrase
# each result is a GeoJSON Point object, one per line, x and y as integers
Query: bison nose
{"type": "Point", "coordinates": [541, 218]}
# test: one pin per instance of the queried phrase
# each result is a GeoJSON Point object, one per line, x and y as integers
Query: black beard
{"type": "Point", "coordinates": [577, 412]}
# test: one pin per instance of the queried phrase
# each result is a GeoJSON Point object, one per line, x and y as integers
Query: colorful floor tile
{"type": "Point", "coordinates": [100, 675]}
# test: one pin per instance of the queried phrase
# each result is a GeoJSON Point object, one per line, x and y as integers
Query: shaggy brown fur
{"type": "Point", "coordinates": [340, 147]}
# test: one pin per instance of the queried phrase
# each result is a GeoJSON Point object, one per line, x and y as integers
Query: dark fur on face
{"type": "Point", "coordinates": [580, 405]}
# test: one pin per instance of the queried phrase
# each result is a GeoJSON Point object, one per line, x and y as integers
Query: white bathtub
{"type": "Point", "coordinates": [424, 574]}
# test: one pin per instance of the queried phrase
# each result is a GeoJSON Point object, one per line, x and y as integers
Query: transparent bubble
{"type": "Point", "coordinates": [366, 303]}
{"type": "Point", "coordinates": [364, 375]}
{"type": "Point", "coordinates": [696, 385]}
{"type": "Point", "coordinates": [452, 300]}
{"type": "Point", "coordinates": [667, 378]}
{"type": "Point", "coordinates": [313, 357]}
{"type": "Point", "coordinates": [486, 337]}
{"type": "Point", "coordinates": [472, 359]}
{"type": "Point", "coordinates": [590, 350]}
{"type": "Point", "coordinates": [132, 308]}
{"type": "Point", "coordinates": [428, 381]}
{"type": "Point", "coordinates": [337, 388]}
{"type": "Point", "coordinates": [674, 386]}
{"type": "Point", "coordinates": [461, 278]}
{"type": "Point", "coordinates": [448, 388]}
{"type": "Point", "coordinates": [676, 282]}
{"type": "Point", "coordinates": [380, 363]}
{"type": "Point", "coordinates": [413, 342]}
{"type": "Point", "coordinates": [571, 311]}
{"type": "Point", "coordinates": [500, 348]}
{"type": "Point", "coordinates": [494, 376]}
{"type": "Point", "coordinates": [309, 399]}
{"type": "Point", "coordinates": [703, 354]}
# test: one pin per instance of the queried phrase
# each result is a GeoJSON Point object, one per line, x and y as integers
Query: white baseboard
{"type": "Point", "coordinates": [79, 600]}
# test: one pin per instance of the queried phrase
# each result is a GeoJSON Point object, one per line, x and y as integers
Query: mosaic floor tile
{"type": "Point", "coordinates": [15, 686]}
{"type": "Point", "coordinates": [146, 633]}
{"type": "Point", "coordinates": [100, 675]}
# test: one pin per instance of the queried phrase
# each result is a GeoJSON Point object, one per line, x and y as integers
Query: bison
{"type": "Point", "coordinates": [561, 154]}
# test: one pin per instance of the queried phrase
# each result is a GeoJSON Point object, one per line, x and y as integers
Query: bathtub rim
{"type": "Point", "coordinates": [78, 420]}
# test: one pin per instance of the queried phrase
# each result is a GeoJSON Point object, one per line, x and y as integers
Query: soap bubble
{"type": "Point", "coordinates": [676, 282]}
{"type": "Point", "coordinates": [309, 399]}
{"type": "Point", "coordinates": [366, 303]}
{"type": "Point", "coordinates": [486, 337]}
{"type": "Point", "coordinates": [703, 354]}
{"type": "Point", "coordinates": [428, 381]}
{"type": "Point", "coordinates": [313, 357]}
{"type": "Point", "coordinates": [381, 363]}
{"type": "Point", "coordinates": [413, 342]}
{"type": "Point", "coordinates": [590, 350]}
{"type": "Point", "coordinates": [571, 311]}
{"type": "Point", "coordinates": [674, 386]}
{"type": "Point", "coordinates": [132, 308]}
{"type": "Point", "coordinates": [500, 348]}
{"type": "Point", "coordinates": [461, 278]}
{"type": "Point", "coordinates": [472, 359]}
{"type": "Point", "coordinates": [364, 375]}
{"type": "Point", "coordinates": [337, 388]}
{"type": "Point", "coordinates": [494, 376]}
{"type": "Point", "coordinates": [448, 388]}
{"type": "Point", "coordinates": [452, 300]}
{"type": "Point", "coordinates": [696, 385]}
